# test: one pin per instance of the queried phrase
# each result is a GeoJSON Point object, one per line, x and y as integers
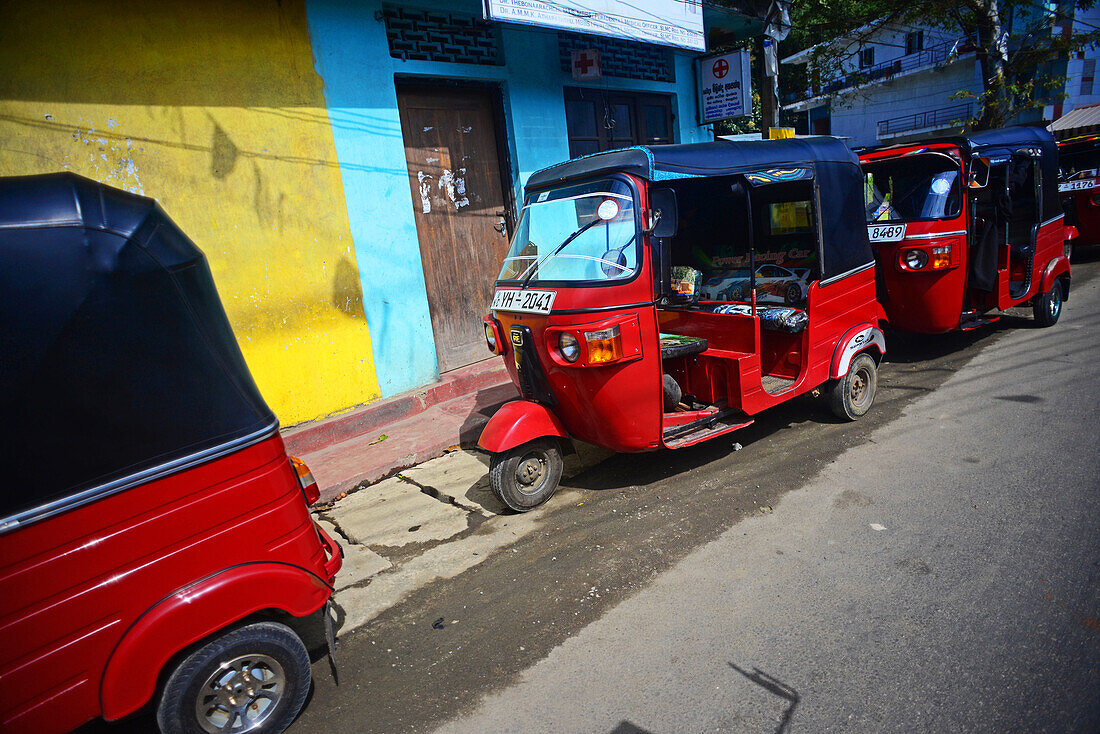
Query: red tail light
{"type": "Point", "coordinates": [306, 481]}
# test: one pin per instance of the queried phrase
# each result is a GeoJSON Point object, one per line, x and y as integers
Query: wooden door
{"type": "Point", "coordinates": [458, 201]}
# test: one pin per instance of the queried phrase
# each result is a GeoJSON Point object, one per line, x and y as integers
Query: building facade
{"type": "Point", "coordinates": [350, 169]}
{"type": "Point", "coordinates": [897, 83]}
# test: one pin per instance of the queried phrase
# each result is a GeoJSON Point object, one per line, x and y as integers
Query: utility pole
{"type": "Point", "coordinates": [767, 84]}
{"type": "Point", "coordinates": [777, 24]}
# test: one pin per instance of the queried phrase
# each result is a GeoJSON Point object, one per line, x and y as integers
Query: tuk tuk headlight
{"type": "Point", "coordinates": [491, 337]}
{"type": "Point", "coordinates": [569, 347]}
{"type": "Point", "coordinates": [915, 259]}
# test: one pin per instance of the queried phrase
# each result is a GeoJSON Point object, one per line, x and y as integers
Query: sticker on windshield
{"type": "Point", "coordinates": [523, 301]}
{"type": "Point", "coordinates": [886, 232]}
{"type": "Point", "coordinates": [1081, 185]}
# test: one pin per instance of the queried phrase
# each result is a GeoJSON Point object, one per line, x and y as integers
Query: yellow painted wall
{"type": "Point", "coordinates": [214, 109]}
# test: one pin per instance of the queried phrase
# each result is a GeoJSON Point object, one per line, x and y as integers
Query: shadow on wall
{"type": "Point", "coordinates": [347, 293]}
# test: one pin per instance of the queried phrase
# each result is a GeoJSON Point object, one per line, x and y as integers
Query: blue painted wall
{"type": "Point", "coordinates": [352, 57]}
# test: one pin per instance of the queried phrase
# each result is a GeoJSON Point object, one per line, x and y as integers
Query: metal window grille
{"type": "Point", "coordinates": [619, 58]}
{"type": "Point", "coordinates": [441, 36]}
{"type": "Point", "coordinates": [954, 116]}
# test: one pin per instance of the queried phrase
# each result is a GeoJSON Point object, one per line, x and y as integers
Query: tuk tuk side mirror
{"type": "Point", "coordinates": [978, 177]}
{"type": "Point", "coordinates": [686, 282]}
{"type": "Point", "coordinates": [662, 217]}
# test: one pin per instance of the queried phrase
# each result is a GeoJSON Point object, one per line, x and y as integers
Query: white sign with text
{"type": "Point", "coordinates": [725, 87]}
{"type": "Point", "coordinates": [664, 22]}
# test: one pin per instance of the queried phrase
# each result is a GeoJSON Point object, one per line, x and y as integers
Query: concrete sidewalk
{"type": "Point", "coordinates": [405, 491]}
{"type": "Point", "coordinates": [370, 443]}
{"type": "Point", "coordinates": [428, 522]}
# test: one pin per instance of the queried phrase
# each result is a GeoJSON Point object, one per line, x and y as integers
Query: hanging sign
{"type": "Point", "coordinates": [725, 89]}
{"type": "Point", "coordinates": [586, 64]}
{"type": "Point", "coordinates": [665, 22]}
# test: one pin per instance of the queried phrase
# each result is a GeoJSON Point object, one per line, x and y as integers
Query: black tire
{"type": "Point", "coordinates": [528, 475]}
{"type": "Point", "coordinates": [1047, 306]}
{"type": "Point", "coordinates": [851, 396]}
{"type": "Point", "coordinates": [219, 681]}
{"type": "Point", "coordinates": [792, 294]}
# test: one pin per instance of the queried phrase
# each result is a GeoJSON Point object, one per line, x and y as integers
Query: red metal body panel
{"type": "Point", "coordinates": [620, 406]}
{"type": "Point", "coordinates": [1050, 248]}
{"type": "Point", "coordinates": [195, 613]}
{"type": "Point", "coordinates": [933, 301]}
{"type": "Point", "coordinates": [1087, 203]}
{"type": "Point", "coordinates": [1055, 269]}
{"type": "Point", "coordinates": [861, 338]}
{"type": "Point", "coordinates": [517, 423]}
{"type": "Point", "coordinates": [74, 587]}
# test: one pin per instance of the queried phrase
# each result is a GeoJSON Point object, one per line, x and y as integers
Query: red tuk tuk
{"type": "Point", "coordinates": [965, 225]}
{"type": "Point", "coordinates": [1079, 187]}
{"type": "Point", "coordinates": [630, 313]}
{"type": "Point", "coordinates": [155, 539]}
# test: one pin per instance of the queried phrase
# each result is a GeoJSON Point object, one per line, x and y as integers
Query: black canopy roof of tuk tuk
{"type": "Point", "coordinates": [119, 364]}
{"type": "Point", "coordinates": [1004, 142]}
{"type": "Point", "coordinates": [836, 170]}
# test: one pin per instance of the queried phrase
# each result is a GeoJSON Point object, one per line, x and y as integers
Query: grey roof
{"type": "Point", "coordinates": [1078, 121]}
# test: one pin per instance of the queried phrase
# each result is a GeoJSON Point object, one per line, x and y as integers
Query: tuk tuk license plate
{"type": "Point", "coordinates": [523, 301]}
{"type": "Point", "coordinates": [886, 232]}
{"type": "Point", "coordinates": [1080, 185]}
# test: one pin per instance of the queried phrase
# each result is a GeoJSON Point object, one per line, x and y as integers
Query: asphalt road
{"type": "Point", "coordinates": [932, 567]}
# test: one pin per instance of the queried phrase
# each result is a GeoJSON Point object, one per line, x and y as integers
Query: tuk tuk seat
{"type": "Point", "coordinates": [775, 318]}
{"type": "Point", "coordinates": [677, 345]}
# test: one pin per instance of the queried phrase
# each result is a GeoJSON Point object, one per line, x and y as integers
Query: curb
{"type": "Point", "coordinates": [317, 435]}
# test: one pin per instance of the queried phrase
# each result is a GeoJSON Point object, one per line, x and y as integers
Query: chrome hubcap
{"type": "Point", "coordinates": [241, 694]}
{"type": "Point", "coordinates": [1055, 304]}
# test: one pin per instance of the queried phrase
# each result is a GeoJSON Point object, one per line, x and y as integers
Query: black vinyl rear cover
{"type": "Point", "coordinates": [116, 356]}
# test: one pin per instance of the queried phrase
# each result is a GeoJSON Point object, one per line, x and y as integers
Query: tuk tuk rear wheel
{"type": "Point", "coordinates": [1047, 307]}
{"type": "Point", "coordinates": [252, 679]}
{"type": "Point", "coordinates": [851, 396]}
{"type": "Point", "coordinates": [528, 475]}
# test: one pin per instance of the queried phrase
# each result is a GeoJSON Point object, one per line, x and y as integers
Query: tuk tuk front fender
{"type": "Point", "coordinates": [518, 422]}
{"type": "Point", "coordinates": [1055, 269]}
{"type": "Point", "coordinates": [194, 613]}
{"type": "Point", "coordinates": [858, 339]}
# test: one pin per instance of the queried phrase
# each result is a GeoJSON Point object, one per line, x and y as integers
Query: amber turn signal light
{"type": "Point", "coordinates": [305, 480]}
{"type": "Point", "coordinates": [605, 345]}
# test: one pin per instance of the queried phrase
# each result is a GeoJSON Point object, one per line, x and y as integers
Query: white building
{"type": "Point", "coordinates": [899, 83]}
{"type": "Point", "coordinates": [1081, 84]}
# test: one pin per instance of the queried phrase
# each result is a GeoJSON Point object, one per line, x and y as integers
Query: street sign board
{"type": "Point", "coordinates": [725, 88]}
{"type": "Point", "coordinates": [664, 22]}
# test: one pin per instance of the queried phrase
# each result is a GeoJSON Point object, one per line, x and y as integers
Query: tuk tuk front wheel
{"type": "Point", "coordinates": [252, 679]}
{"type": "Point", "coordinates": [528, 475]}
{"type": "Point", "coordinates": [851, 396]}
{"type": "Point", "coordinates": [1047, 307]}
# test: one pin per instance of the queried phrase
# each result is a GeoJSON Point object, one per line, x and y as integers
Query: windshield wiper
{"type": "Point", "coordinates": [559, 248]}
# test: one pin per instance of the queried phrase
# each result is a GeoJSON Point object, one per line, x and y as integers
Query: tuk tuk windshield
{"type": "Point", "coordinates": [579, 233]}
{"type": "Point", "coordinates": [1079, 165]}
{"type": "Point", "coordinates": [913, 187]}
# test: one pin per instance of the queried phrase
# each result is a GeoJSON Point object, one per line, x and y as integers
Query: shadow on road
{"type": "Point", "coordinates": [777, 688]}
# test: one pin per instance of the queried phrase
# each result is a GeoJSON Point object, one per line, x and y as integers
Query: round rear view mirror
{"type": "Point", "coordinates": [607, 210]}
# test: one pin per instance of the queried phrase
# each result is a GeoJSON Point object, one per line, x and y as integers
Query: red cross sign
{"type": "Point", "coordinates": [586, 64]}
{"type": "Point", "coordinates": [721, 68]}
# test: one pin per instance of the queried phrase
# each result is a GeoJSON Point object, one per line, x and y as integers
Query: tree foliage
{"type": "Point", "coordinates": [1017, 43]}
